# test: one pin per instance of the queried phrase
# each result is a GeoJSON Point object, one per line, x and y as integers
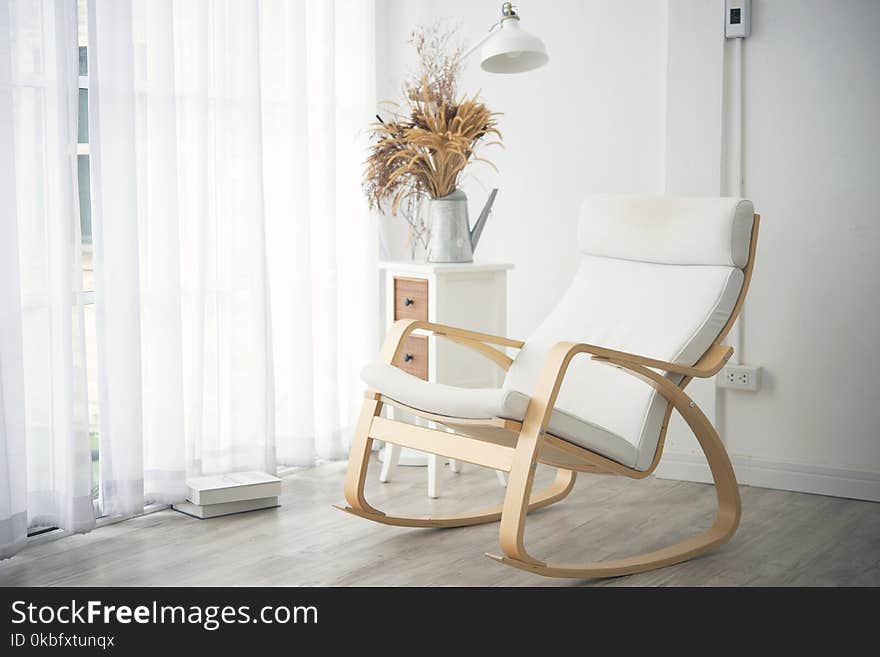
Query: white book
{"type": "Point", "coordinates": [232, 487]}
{"type": "Point", "coordinates": [225, 508]}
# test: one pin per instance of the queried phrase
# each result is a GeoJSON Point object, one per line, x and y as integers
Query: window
{"type": "Point", "coordinates": [85, 217]}
{"type": "Point", "coordinates": [87, 298]}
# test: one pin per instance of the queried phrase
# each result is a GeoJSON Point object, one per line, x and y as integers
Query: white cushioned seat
{"type": "Point", "coordinates": [658, 277]}
{"type": "Point", "coordinates": [487, 403]}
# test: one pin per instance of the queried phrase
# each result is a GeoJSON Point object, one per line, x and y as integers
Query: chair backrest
{"type": "Point", "coordinates": [658, 277]}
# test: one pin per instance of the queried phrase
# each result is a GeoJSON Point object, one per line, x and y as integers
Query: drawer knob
{"type": "Point", "coordinates": [407, 358]}
{"type": "Point", "coordinates": [408, 301]}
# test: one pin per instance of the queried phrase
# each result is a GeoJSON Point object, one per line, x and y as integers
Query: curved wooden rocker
{"type": "Point", "coordinates": [560, 488]}
{"type": "Point", "coordinates": [517, 447]}
{"type": "Point", "coordinates": [513, 518]}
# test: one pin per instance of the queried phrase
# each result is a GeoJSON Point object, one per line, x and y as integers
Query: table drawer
{"type": "Point", "coordinates": [413, 358]}
{"type": "Point", "coordinates": [411, 298]}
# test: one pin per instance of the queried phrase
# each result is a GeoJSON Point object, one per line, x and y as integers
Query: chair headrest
{"type": "Point", "coordinates": [680, 231]}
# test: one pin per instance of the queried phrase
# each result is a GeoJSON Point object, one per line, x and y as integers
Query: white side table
{"type": "Point", "coordinates": [468, 295]}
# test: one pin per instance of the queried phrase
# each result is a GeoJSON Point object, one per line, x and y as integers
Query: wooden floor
{"type": "Point", "coordinates": [785, 539]}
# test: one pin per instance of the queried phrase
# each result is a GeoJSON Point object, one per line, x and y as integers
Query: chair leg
{"type": "Point", "coordinates": [519, 489]}
{"type": "Point", "coordinates": [359, 457]}
{"type": "Point", "coordinates": [723, 527]}
{"type": "Point", "coordinates": [454, 466]}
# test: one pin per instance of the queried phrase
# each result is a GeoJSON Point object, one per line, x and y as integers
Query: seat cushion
{"type": "Point", "coordinates": [487, 403]}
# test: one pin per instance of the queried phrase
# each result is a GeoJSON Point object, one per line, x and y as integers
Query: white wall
{"type": "Point", "coordinates": [592, 120]}
{"type": "Point", "coordinates": [616, 110]}
{"type": "Point", "coordinates": [692, 161]}
{"type": "Point", "coordinates": [812, 167]}
{"type": "Point", "coordinates": [811, 140]}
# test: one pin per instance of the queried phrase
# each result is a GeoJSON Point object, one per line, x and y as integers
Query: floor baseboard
{"type": "Point", "coordinates": [765, 473]}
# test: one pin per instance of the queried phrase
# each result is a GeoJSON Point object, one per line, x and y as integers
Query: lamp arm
{"type": "Point", "coordinates": [470, 51]}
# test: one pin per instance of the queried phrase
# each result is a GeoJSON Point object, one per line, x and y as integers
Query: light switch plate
{"type": "Point", "coordinates": [737, 18]}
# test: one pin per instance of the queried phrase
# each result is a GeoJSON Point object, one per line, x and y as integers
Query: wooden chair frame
{"type": "Point", "coordinates": [517, 447]}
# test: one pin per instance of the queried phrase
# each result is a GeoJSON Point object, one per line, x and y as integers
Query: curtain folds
{"type": "Point", "coordinates": [45, 462]}
{"type": "Point", "coordinates": [234, 256]}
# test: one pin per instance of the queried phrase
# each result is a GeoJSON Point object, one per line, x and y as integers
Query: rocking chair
{"type": "Point", "coordinates": [659, 285]}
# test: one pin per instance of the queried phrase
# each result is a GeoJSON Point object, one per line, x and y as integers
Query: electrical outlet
{"type": "Point", "coordinates": [740, 377]}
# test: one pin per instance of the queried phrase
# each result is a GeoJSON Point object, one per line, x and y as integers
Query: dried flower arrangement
{"type": "Point", "coordinates": [431, 137]}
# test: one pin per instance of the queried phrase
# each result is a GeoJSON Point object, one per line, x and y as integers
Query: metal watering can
{"type": "Point", "coordinates": [451, 239]}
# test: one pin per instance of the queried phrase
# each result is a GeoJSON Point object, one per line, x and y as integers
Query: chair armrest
{"type": "Point", "coordinates": [402, 328]}
{"type": "Point", "coordinates": [709, 364]}
{"type": "Point", "coordinates": [560, 356]}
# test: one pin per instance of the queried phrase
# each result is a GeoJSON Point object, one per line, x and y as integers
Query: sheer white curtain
{"type": "Point", "coordinates": [235, 261]}
{"type": "Point", "coordinates": [45, 464]}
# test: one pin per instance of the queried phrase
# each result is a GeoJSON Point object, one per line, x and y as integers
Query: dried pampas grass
{"type": "Point", "coordinates": [422, 151]}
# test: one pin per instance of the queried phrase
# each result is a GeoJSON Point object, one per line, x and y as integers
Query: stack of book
{"type": "Point", "coordinates": [221, 495]}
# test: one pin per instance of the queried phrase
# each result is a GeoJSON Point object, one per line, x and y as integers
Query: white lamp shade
{"type": "Point", "coordinates": [512, 50]}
